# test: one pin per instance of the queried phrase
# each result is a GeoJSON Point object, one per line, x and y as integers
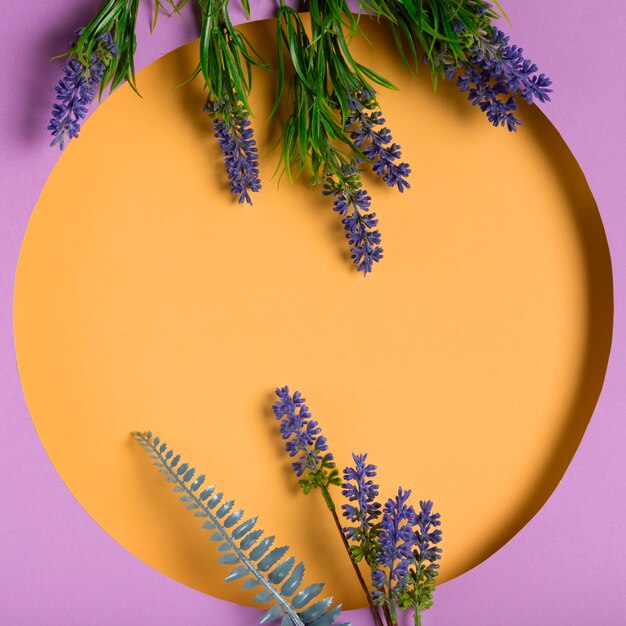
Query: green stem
{"type": "Point", "coordinates": [331, 507]}
{"type": "Point", "coordinates": [417, 617]}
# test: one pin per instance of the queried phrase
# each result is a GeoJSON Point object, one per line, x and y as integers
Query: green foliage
{"type": "Point", "coordinates": [226, 56]}
{"type": "Point", "coordinates": [421, 586]}
{"type": "Point", "coordinates": [322, 477]}
{"type": "Point", "coordinates": [325, 76]}
{"type": "Point", "coordinates": [325, 71]}
{"type": "Point", "coordinates": [162, 6]}
{"type": "Point", "coordinates": [368, 547]}
{"type": "Point", "coordinates": [119, 18]}
{"type": "Point", "coordinates": [425, 27]}
{"type": "Point", "coordinates": [257, 563]}
{"type": "Point", "coordinates": [313, 138]}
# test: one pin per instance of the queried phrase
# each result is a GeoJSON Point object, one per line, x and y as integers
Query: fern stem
{"type": "Point", "coordinates": [244, 559]}
{"type": "Point", "coordinates": [331, 507]}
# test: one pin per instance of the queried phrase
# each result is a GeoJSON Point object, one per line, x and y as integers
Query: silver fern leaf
{"type": "Point", "coordinates": [257, 563]}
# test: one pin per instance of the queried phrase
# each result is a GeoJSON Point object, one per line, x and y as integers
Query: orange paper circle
{"type": "Point", "coordinates": [467, 365]}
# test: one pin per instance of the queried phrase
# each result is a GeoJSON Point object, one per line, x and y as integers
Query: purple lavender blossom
{"type": "Point", "coordinates": [77, 89]}
{"type": "Point", "coordinates": [374, 140]}
{"type": "Point", "coordinates": [423, 574]}
{"type": "Point", "coordinates": [301, 433]}
{"type": "Point", "coordinates": [353, 204]}
{"type": "Point", "coordinates": [235, 137]}
{"type": "Point", "coordinates": [427, 534]}
{"type": "Point", "coordinates": [395, 553]}
{"type": "Point", "coordinates": [496, 70]}
{"type": "Point", "coordinates": [359, 487]}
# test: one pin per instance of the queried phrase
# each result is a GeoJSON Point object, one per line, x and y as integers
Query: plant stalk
{"type": "Point", "coordinates": [417, 617]}
{"type": "Point", "coordinates": [387, 613]}
{"type": "Point", "coordinates": [331, 507]}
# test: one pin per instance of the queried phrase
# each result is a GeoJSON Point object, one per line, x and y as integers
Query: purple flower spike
{"type": "Point", "coordinates": [494, 74]}
{"type": "Point", "coordinates": [353, 204]}
{"type": "Point", "coordinates": [374, 140]}
{"type": "Point", "coordinates": [358, 487]}
{"type": "Point", "coordinates": [235, 137]}
{"type": "Point", "coordinates": [301, 433]}
{"type": "Point", "coordinates": [428, 534]}
{"type": "Point", "coordinates": [395, 554]}
{"type": "Point", "coordinates": [77, 89]}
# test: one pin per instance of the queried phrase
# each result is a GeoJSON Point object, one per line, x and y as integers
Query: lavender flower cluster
{"type": "Point", "coordinates": [401, 540]}
{"type": "Point", "coordinates": [399, 544]}
{"type": "Point", "coordinates": [353, 203]}
{"type": "Point", "coordinates": [77, 89]}
{"type": "Point", "coordinates": [301, 433]}
{"type": "Point", "coordinates": [396, 540]}
{"type": "Point", "coordinates": [365, 126]}
{"type": "Point", "coordinates": [235, 137]}
{"type": "Point", "coordinates": [428, 534]}
{"type": "Point", "coordinates": [495, 72]}
{"type": "Point", "coordinates": [359, 487]}
{"type": "Point", "coordinates": [365, 123]}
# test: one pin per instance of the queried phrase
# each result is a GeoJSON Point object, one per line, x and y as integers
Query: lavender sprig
{"type": "Point", "coordinates": [359, 487]}
{"type": "Point", "coordinates": [365, 123]}
{"type": "Point", "coordinates": [498, 69]}
{"type": "Point", "coordinates": [235, 138]}
{"type": "Point", "coordinates": [395, 553]}
{"type": "Point", "coordinates": [353, 203]}
{"type": "Point", "coordinates": [77, 89]}
{"type": "Point", "coordinates": [428, 534]}
{"type": "Point", "coordinates": [425, 568]}
{"type": "Point", "coordinates": [304, 441]}
{"type": "Point", "coordinates": [494, 71]}
{"type": "Point", "coordinates": [226, 60]}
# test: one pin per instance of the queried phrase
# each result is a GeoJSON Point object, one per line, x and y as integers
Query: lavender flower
{"type": "Point", "coordinates": [353, 203]}
{"type": "Point", "coordinates": [495, 73]}
{"type": "Point", "coordinates": [395, 552]}
{"type": "Point", "coordinates": [374, 140]}
{"type": "Point", "coordinates": [376, 144]}
{"type": "Point", "coordinates": [235, 137]}
{"type": "Point", "coordinates": [424, 569]}
{"type": "Point", "coordinates": [427, 534]}
{"type": "Point", "coordinates": [77, 89]}
{"type": "Point", "coordinates": [359, 487]}
{"type": "Point", "coordinates": [301, 434]}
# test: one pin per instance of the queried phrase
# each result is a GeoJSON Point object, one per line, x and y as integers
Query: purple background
{"type": "Point", "coordinates": [566, 566]}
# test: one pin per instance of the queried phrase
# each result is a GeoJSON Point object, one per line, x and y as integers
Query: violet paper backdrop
{"type": "Point", "coordinates": [567, 566]}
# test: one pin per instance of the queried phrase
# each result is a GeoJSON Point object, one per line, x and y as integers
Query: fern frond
{"type": "Point", "coordinates": [257, 562]}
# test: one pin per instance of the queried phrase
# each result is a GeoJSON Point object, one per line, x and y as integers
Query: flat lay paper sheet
{"type": "Point", "coordinates": [44, 529]}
